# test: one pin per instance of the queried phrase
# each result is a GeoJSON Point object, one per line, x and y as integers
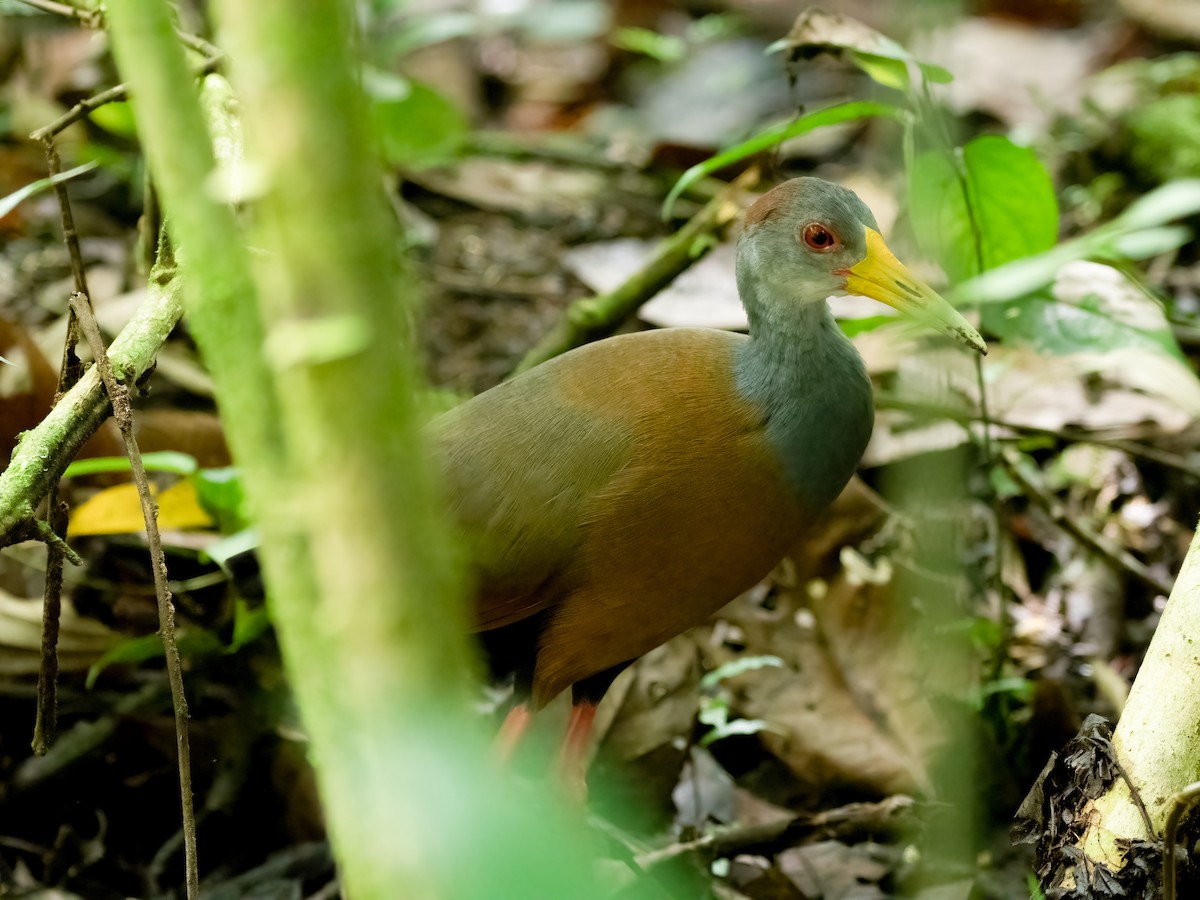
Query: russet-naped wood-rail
{"type": "Point", "coordinates": [624, 492]}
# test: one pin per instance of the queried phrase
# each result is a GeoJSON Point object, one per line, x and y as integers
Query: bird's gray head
{"type": "Point", "coordinates": [807, 239]}
{"type": "Point", "coordinates": [802, 236]}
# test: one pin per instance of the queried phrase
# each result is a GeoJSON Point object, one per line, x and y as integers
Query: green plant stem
{"type": "Point", "coordinates": [1156, 741]}
{"type": "Point", "coordinates": [319, 404]}
{"type": "Point", "coordinates": [339, 312]}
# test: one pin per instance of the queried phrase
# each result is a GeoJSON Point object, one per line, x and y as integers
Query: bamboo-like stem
{"type": "Point", "coordinates": [1155, 741]}
{"type": "Point", "coordinates": [321, 411]}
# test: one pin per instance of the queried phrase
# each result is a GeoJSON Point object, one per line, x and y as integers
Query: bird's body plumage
{"type": "Point", "coordinates": [622, 493]}
{"type": "Point", "coordinates": [627, 490]}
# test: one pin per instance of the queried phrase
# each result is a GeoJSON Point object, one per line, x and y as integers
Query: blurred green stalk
{"type": "Point", "coordinates": [312, 352]}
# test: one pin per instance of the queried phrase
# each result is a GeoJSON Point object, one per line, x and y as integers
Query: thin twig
{"type": "Point", "coordinates": [1102, 546]}
{"type": "Point", "coordinates": [118, 394]}
{"type": "Point", "coordinates": [893, 815]}
{"type": "Point", "coordinates": [45, 724]}
{"type": "Point", "coordinates": [1134, 794]}
{"type": "Point", "coordinates": [199, 44]}
{"type": "Point", "coordinates": [1183, 802]}
{"type": "Point", "coordinates": [71, 367]}
{"type": "Point", "coordinates": [90, 18]}
{"type": "Point", "coordinates": [114, 94]}
{"type": "Point", "coordinates": [625, 849]}
{"type": "Point", "coordinates": [46, 719]}
{"type": "Point", "coordinates": [996, 576]}
{"type": "Point", "coordinates": [94, 18]}
{"type": "Point", "coordinates": [34, 529]}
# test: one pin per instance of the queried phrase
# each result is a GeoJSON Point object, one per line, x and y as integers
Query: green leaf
{"type": "Point", "coordinates": [421, 128]}
{"type": "Point", "coordinates": [1096, 324]}
{"type": "Point", "coordinates": [662, 47]}
{"type": "Point", "coordinates": [225, 549]}
{"type": "Point", "coordinates": [16, 198]}
{"type": "Point", "coordinates": [116, 118]}
{"type": "Point", "coordinates": [1120, 238]}
{"type": "Point", "coordinates": [891, 69]}
{"type": "Point", "coordinates": [886, 70]}
{"type": "Point", "coordinates": [993, 204]}
{"type": "Point", "coordinates": [735, 727]}
{"type": "Point", "coordinates": [777, 134]}
{"type": "Point", "coordinates": [159, 461]}
{"type": "Point", "coordinates": [249, 624]}
{"type": "Point", "coordinates": [737, 667]}
{"type": "Point", "coordinates": [1019, 688]}
{"type": "Point", "coordinates": [714, 711]}
{"type": "Point", "coordinates": [854, 327]}
{"type": "Point", "coordinates": [1171, 201]}
{"type": "Point", "coordinates": [1147, 242]}
{"type": "Point", "coordinates": [1003, 486]}
{"type": "Point", "coordinates": [149, 646]}
{"type": "Point", "coordinates": [220, 494]}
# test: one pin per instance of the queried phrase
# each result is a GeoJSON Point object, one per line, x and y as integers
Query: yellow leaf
{"type": "Point", "coordinates": [118, 510]}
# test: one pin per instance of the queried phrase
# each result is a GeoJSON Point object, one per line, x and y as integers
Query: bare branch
{"type": "Point", "coordinates": [118, 394]}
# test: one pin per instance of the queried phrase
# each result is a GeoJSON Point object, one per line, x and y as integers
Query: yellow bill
{"type": "Point", "coordinates": [882, 277]}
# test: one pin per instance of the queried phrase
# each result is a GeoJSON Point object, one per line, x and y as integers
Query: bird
{"type": "Point", "coordinates": [615, 496]}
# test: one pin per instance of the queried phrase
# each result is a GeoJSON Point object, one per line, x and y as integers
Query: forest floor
{"type": "Point", "coordinates": [865, 722]}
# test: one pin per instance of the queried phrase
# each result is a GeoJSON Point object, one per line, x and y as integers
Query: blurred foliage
{"type": "Point", "coordinates": [1166, 137]}
{"type": "Point", "coordinates": [396, 29]}
{"type": "Point", "coordinates": [671, 48]}
{"type": "Point", "coordinates": [194, 642]}
{"type": "Point", "coordinates": [985, 205]}
{"type": "Point", "coordinates": [1164, 123]}
{"type": "Point", "coordinates": [1098, 322]}
{"type": "Point", "coordinates": [220, 493]}
{"type": "Point", "coordinates": [418, 126]}
{"type": "Point", "coordinates": [160, 461]}
{"type": "Point", "coordinates": [16, 198]}
{"type": "Point", "coordinates": [767, 140]}
{"type": "Point", "coordinates": [116, 118]}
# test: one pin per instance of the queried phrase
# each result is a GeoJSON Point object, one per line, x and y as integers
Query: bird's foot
{"type": "Point", "coordinates": [515, 725]}
{"type": "Point", "coordinates": [573, 760]}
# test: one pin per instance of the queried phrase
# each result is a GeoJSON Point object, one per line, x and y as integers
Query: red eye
{"type": "Point", "coordinates": [819, 238]}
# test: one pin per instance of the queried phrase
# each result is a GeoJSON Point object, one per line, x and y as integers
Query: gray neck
{"type": "Point", "coordinates": [811, 383]}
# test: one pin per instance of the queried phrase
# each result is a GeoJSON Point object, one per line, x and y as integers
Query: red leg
{"type": "Point", "coordinates": [511, 732]}
{"type": "Point", "coordinates": [573, 758]}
